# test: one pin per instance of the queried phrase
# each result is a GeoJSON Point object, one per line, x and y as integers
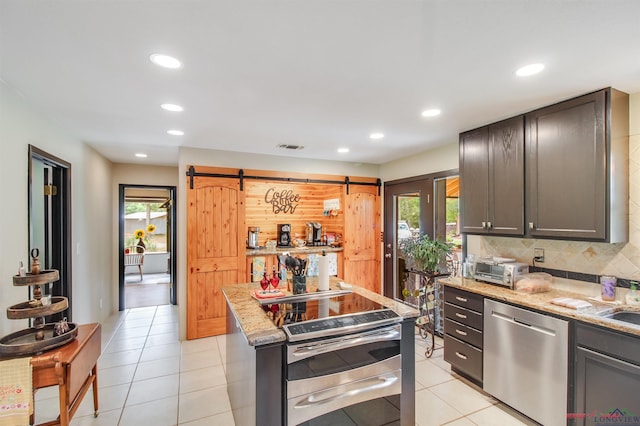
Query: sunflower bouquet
{"type": "Point", "coordinates": [143, 236]}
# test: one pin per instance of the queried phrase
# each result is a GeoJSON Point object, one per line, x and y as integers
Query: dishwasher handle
{"type": "Point", "coordinates": [518, 322]}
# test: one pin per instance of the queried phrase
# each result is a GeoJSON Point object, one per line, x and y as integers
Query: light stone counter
{"type": "Point", "coordinates": [293, 250]}
{"type": "Point", "coordinates": [260, 330]}
{"type": "Point", "coordinates": [541, 302]}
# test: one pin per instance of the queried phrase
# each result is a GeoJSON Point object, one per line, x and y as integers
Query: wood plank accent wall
{"type": "Point", "coordinates": [309, 208]}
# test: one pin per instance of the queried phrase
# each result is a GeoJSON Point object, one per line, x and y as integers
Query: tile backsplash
{"type": "Point", "coordinates": [621, 260]}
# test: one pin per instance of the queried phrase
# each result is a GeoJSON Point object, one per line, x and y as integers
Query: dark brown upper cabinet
{"type": "Point", "coordinates": [492, 179]}
{"type": "Point", "coordinates": [577, 168]}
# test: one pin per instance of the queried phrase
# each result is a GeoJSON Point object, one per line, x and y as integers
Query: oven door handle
{"type": "Point", "coordinates": [354, 389]}
{"type": "Point", "coordinates": [310, 349]}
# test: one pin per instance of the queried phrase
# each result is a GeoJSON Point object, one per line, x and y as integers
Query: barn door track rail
{"type": "Point", "coordinates": [241, 176]}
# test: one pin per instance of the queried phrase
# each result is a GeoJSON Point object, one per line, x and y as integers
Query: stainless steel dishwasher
{"type": "Point", "coordinates": [525, 361]}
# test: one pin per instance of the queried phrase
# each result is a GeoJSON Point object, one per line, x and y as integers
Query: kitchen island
{"type": "Point", "coordinates": [256, 366]}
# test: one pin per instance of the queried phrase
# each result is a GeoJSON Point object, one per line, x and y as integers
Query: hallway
{"type": "Point", "coordinates": [146, 376]}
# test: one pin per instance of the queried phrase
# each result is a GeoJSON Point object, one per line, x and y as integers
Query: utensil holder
{"type": "Point", "coordinates": [299, 284]}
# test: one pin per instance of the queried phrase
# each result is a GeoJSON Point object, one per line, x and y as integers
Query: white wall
{"type": "Point", "coordinates": [442, 158]}
{"type": "Point", "coordinates": [91, 223]}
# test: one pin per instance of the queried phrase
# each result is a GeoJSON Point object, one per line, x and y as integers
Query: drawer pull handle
{"type": "Point", "coordinates": [461, 356]}
{"type": "Point", "coordinates": [461, 299]}
{"type": "Point", "coordinates": [461, 316]}
{"type": "Point", "coordinates": [460, 332]}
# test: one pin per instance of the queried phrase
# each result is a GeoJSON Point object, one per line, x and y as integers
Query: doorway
{"type": "Point", "coordinates": [147, 243]}
{"type": "Point", "coordinates": [414, 206]}
{"type": "Point", "coordinates": [49, 222]}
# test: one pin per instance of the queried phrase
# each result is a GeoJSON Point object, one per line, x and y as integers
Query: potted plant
{"type": "Point", "coordinates": [426, 255]}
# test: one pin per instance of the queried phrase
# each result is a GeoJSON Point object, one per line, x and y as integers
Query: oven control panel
{"type": "Point", "coordinates": [340, 324]}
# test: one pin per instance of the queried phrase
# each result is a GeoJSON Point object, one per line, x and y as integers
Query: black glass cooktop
{"type": "Point", "coordinates": [328, 316]}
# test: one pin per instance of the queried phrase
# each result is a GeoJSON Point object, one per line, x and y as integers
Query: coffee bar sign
{"type": "Point", "coordinates": [285, 201]}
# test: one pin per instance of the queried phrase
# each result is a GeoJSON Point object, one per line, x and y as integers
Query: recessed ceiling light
{"type": "Point", "coordinates": [430, 112]}
{"type": "Point", "coordinates": [343, 150]}
{"type": "Point", "coordinates": [141, 155]}
{"type": "Point", "coordinates": [174, 132]}
{"type": "Point", "coordinates": [165, 61]}
{"type": "Point", "coordinates": [376, 135]}
{"type": "Point", "coordinates": [529, 70]}
{"type": "Point", "coordinates": [172, 107]}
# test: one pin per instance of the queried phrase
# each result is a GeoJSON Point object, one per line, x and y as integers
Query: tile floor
{"type": "Point", "coordinates": [147, 376]}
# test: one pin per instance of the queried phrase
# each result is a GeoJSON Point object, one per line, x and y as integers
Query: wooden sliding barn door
{"type": "Point", "coordinates": [215, 251]}
{"type": "Point", "coordinates": [362, 231]}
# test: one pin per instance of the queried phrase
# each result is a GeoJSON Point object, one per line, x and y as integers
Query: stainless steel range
{"type": "Point", "coordinates": [343, 358]}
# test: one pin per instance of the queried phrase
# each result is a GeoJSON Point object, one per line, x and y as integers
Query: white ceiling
{"type": "Point", "coordinates": [319, 73]}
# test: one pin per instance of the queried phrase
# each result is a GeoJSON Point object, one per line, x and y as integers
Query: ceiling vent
{"type": "Point", "coordinates": [287, 146]}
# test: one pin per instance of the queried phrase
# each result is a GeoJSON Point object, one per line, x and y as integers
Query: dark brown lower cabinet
{"type": "Point", "coordinates": [463, 332]}
{"type": "Point", "coordinates": [606, 377]}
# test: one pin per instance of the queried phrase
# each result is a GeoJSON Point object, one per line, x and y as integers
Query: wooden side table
{"type": "Point", "coordinates": [73, 368]}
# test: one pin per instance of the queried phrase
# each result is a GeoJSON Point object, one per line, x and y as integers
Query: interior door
{"type": "Point", "coordinates": [215, 251]}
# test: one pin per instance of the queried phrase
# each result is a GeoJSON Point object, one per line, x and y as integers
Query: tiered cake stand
{"type": "Point", "coordinates": [41, 337]}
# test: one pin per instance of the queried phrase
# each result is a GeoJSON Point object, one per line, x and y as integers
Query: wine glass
{"type": "Point", "coordinates": [264, 282]}
{"type": "Point", "coordinates": [275, 280]}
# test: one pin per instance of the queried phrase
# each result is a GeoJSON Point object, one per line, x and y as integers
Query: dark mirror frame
{"type": "Point", "coordinates": [57, 251]}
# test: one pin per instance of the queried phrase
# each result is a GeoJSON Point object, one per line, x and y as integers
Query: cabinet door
{"type": "Point", "coordinates": [474, 184]}
{"type": "Point", "coordinates": [566, 169]}
{"type": "Point", "coordinates": [604, 384]}
{"type": "Point", "coordinates": [506, 177]}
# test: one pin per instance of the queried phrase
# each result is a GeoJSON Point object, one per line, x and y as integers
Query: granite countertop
{"type": "Point", "coordinates": [293, 250]}
{"type": "Point", "coordinates": [260, 330]}
{"type": "Point", "coordinates": [541, 302]}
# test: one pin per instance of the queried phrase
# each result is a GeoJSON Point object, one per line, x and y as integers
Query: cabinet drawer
{"type": "Point", "coordinates": [464, 333]}
{"type": "Point", "coordinates": [462, 315]}
{"type": "Point", "coordinates": [463, 357]}
{"type": "Point", "coordinates": [464, 299]}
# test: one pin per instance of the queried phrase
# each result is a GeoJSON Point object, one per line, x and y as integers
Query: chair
{"type": "Point", "coordinates": [134, 256]}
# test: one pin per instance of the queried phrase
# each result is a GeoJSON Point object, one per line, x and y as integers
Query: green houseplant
{"type": "Point", "coordinates": [425, 254]}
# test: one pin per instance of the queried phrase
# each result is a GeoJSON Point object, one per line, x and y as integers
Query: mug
{"type": "Point", "coordinates": [300, 243]}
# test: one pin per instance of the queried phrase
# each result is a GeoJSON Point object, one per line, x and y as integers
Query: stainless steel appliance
{"type": "Point", "coordinates": [525, 361]}
{"type": "Point", "coordinates": [314, 234]}
{"type": "Point", "coordinates": [498, 270]}
{"type": "Point", "coordinates": [342, 357]}
{"type": "Point", "coordinates": [284, 235]}
{"type": "Point", "coordinates": [252, 238]}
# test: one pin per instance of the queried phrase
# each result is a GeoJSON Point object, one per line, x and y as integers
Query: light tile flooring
{"type": "Point", "coordinates": [146, 376]}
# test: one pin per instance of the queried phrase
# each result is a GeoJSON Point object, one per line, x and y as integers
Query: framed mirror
{"type": "Point", "coordinates": [49, 198]}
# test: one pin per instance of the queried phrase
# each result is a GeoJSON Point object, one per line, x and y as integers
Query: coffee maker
{"type": "Point", "coordinates": [284, 235]}
{"type": "Point", "coordinates": [252, 238]}
{"type": "Point", "coordinates": [314, 233]}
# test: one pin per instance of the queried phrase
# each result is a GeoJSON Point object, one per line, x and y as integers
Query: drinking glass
{"type": "Point", "coordinates": [608, 288]}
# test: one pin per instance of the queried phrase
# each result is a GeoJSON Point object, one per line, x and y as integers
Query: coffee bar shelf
{"type": "Point", "coordinates": [269, 257]}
